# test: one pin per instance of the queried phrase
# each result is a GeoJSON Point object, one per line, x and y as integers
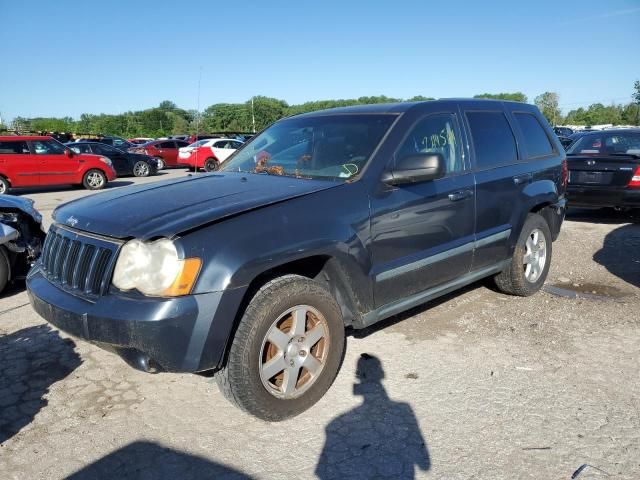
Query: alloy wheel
{"type": "Point", "coordinates": [294, 352]}
{"type": "Point", "coordinates": [535, 257]}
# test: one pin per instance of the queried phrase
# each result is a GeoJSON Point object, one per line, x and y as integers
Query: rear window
{"type": "Point", "coordinates": [493, 140]}
{"type": "Point", "coordinates": [14, 148]}
{"type": "Point", "coordinates": [535, 139]}
{"type": "Point", "coordinates": [587, 145]}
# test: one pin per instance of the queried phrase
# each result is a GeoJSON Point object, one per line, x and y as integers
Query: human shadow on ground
{"type": "Point", "coordinates": [620, 253]}
{"type": "Point", "coordinates": [148, 460]}
{"type": "Point", "coordinates": [31, 360]}
{"type": "Point", "coordinates": [379, 438]}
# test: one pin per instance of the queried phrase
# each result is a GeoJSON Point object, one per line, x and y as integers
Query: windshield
{"type": "Point", "coordinates": [199, 143]}
{"type": "Point", "coordinates": [323, 146]}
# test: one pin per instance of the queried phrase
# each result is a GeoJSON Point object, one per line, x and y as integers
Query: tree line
{"type": "Point", "coordinates": [259, 112]}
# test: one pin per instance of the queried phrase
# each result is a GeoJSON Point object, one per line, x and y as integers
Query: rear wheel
{"type": "Point", "coordinates": [210, 165]}
{"type": "Point", "coordinates": [286, 351]}
{"type": "Point", "coordinates": [531, 259]}
{"type": "Point", "coordinates": [4, 185]}
{"type": "Point", "coordinates": [160, 161]}
{"type": "Point", "coordinates": [94, 180]}
{"type": "Point", "coordinates": [5, 269]}
{"type": "Point", "coordinates": [141, 169]}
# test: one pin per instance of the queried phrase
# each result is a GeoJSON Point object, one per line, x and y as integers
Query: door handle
{"type": "Point", "coordinates": [461, 195]}
{"type": "Point", "coordinates": [520, 179]}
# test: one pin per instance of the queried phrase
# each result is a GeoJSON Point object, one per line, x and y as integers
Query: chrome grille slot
{"type": "Point", "coordinates": [79, 263]}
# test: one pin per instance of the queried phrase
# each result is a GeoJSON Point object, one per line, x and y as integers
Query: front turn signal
{"type": "Point", "coordinates": [186, 278]}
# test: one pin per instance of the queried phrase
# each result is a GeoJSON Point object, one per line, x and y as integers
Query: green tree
{"type": "Point", "coordinates": [548, 105]}
{"type": "Point", "coordinates": [636, 99]}
{"type": "Point", "coordinates": [514, 97]}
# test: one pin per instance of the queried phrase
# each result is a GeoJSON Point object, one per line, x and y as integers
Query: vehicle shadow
{"type": "Point", "coordinates": [486, 283]}
{"type": "Point", "coordinates": [31, 360]}
{"type": "Point", "coordinates": [149, 460]}
{"type": "Point", "coordinates": [379, 438]}
{"type": "Point", "coordinates": [602, 215]}
{"type": "Point", "coordinates": [63, 188]}
{"type": "Point", "coordinates": [620, 253]}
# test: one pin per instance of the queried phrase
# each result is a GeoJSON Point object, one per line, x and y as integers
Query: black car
{"type": "Point", "coordinates": [326, 220]}
{"type": "Point", "coordinates": [124, 163]}
{"type": "Point", "coordinates": [563, 131]}
{"type": "Point", "coordinates": [565, 141]}
{"type": "Point", "coordinates": [604, 169]}
{"type": "Point", "coordinates": [21, 238]}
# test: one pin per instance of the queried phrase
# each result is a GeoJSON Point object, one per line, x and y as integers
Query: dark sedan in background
{"type": "Point", "coordinates": [124, 163]}
{"type": "Point", "coordinates": [604, 169]}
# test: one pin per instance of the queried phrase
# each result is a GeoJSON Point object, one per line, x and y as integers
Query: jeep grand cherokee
{"type": "Point", "coordinates": [332, 219]}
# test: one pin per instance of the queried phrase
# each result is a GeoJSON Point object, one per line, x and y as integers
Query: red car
{"type": "Point", "coordinates": [30, 161]}
{"type": "Point", "coordinates": [208, 154]}
{"type": "Point", "coordinates": [164, 151]}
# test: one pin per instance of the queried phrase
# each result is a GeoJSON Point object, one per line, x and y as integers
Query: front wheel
{"type": "Point", "coordinates": [4, 185]}
{"type": "Point", "coordinates": [286, 351]}
{"type": "Point", "coordinates": [210, 165]}
{"type": "Point", "coordinates": [4, 268]}
{"type": "Point", "coordinates": [141, 169]}
{"type": "Point", "coordinates": [94, 180]}
{"type": "Point", "coordinates": [530, 261]}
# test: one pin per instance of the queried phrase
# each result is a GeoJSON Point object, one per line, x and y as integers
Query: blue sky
{"type": "Point", "coordinates": [71, 57]}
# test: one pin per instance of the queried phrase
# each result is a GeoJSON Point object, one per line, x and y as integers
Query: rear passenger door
{"type": "Point", "coordinates": [422, 233]}
{"type": "Point", "coordinates": [18, 165]}
{"type": "Point", "coordinates": [500, 179]}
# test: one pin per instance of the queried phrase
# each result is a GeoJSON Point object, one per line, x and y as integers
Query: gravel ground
{"type": "Point", "coordinates": [477, 385]}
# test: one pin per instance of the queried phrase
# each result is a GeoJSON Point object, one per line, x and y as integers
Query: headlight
{"type": "Point", "coordinates": [155, 269]}
{"type": "Point", "coordinates": [106, 160]}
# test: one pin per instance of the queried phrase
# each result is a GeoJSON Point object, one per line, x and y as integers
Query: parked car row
{"type": "Point", "coordinates": [32, 161]}
{"type": "Point", "coordinates": [207, 154]}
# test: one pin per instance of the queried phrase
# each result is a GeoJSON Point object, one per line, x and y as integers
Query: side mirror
{"type": "Point", "coordinates": [420, 167]}
{"type": "Point", "coordinates": [68, 152]}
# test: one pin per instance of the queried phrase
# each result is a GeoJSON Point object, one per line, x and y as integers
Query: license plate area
{"type": "Point", "coordinates": [591, 178]}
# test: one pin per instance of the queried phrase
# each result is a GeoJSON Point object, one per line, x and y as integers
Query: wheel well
{"type": "Point", "coordinates": [545, 210]}
{"type": "Point", "coordinates": [5, 178]}
{"type": "Point", "coordinates": [322, 268]}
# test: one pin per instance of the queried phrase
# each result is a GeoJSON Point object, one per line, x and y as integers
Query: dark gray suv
{"type": "Point", "coordinates": [324, 221]}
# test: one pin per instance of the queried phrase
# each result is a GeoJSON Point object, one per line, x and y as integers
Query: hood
{"type": "Point", "coordinates": [166, 209]}
{"type": "Point", "coordinates": [19, 203]}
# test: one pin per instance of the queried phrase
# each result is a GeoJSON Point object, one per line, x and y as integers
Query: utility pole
{"type": "Point", "coordinates": [253, 116]}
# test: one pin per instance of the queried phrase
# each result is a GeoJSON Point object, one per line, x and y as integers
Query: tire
{"type": "Point", "coordinates": [211, 165]}
{"type": "Point", "coordinates": [141, 169]}
{"type": "Point", "coordinates": [4, 186]}
{"type": "Point", "coordinates": [520, 278]}
{"type": "Point", "coordinates": [242, 381]}
{"type": "Point", "coordinates": [161, 164]}
{"type": "Point", "coordinates": [94, 179]}
{"type": "Point", "coordinates": [5, 269]}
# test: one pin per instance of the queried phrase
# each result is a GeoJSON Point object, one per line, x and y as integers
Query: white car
{"type": "Point", "coordinates": [209, 153]}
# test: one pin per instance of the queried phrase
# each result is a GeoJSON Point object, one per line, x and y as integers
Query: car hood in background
{"type": "Point", "coordinates": [166, 209]}
{"type": "Point", "coordinates": [20, 203]}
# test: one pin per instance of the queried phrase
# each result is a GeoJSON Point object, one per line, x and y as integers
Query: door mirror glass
{"type": "Point", "coordinates": [421, 167]}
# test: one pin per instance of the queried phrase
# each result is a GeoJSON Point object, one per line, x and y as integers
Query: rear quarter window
{"type": "Point", "coordinates": [493, 140]}
{"type": "Point", "coordinates": [535, 139]}
{"type": "Point", "coordinates": [14, 148]}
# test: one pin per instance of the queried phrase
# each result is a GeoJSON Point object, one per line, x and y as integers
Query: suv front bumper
{"type": "Point", "coordinates": [150, 334]}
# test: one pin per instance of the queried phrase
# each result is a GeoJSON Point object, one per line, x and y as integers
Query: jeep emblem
{"type": "Point", "coordinates": [72, 221]}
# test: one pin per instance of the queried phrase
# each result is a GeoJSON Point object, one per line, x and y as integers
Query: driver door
{"type": "Point", "coordinates": [423, 233]}
{"type": "Point", "coordinates": [56, 167]}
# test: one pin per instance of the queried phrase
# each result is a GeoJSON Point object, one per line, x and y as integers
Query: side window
{"type": "Point", "coordinates": [47, 147]}
{"type": "Point", "coordinates": [14, 148]}
{"type": "Point", "coordinates": [435, 134]}
{"type": "Point", "coordinates": [167, 145]}
{"type": "Point", "coordinates": [82, 148]}
{"type": "Point", "coordinates": [236, 145]}
{"type": "Point", "coordinates": [535, 139]}
{"type": "Point", "coordinates": [493, 140]}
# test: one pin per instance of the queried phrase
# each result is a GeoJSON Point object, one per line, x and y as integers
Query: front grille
{"type": "Point", "coordinates": [79, 263]}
